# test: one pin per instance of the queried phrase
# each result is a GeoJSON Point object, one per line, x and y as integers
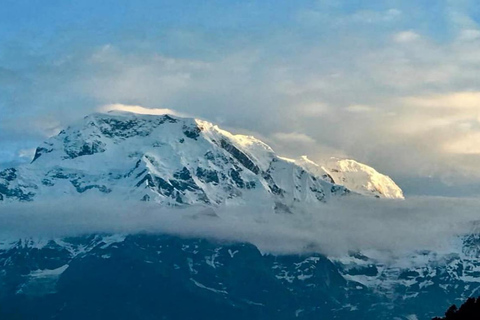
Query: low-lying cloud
{"type": "Point", "coordinates": [350, 224]}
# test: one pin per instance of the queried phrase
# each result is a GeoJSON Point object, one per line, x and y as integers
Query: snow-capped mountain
{"type": "Point", "coordinates": [177, 161]}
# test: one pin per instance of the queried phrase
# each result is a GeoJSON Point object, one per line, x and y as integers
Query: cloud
{"type": "Point", "coordinates": [291, 144]}
{"type": "Point", "coordinates": [391, 228]}
{"type": "Point", "coordinates": [359, 108]}
{"type": "Point", "coordinates": [452, 119]}
{"type": "Point", "coordinates": [338, 15]}
{"type": "Point", "coordinates": [139, 109]}
{"type": "Point", "coordinates": [455, 100]}
{"type": "Point", "coordinates": [469, 35]}
{"type": "Point", "coordinates": [294, 137]}
{"type": "Point", "coordinates": [465, 144]}
{"type": "Point", "coordinates": [406, 36]}
{"type": "Point", "coordinates": [370, 16]}
{"type": "Point", "coordinates": [313, 109]}
{"type": "Point", "coordinates": [26, 153]}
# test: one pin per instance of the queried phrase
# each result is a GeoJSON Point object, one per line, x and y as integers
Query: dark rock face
{"type": "Point", "coordinates": [240, 156]}
{"type": "Point", "coordinates": [76, 179]}
{"type": "Point", "coordinates": [42, 150]}
{"type": "Point", "coordinates": [8, 174]}
{"type": "Point", "coordinates": [339, 190]}
{"type": "Point", "coordinates": [176, 188]}
{"type": "Point", "coordinates": [86, 149]}
{"type": "Point", "coordinates": [121, 129]}
{"type": "Point", "coordinates": [81, 188]}
{"type": "Point", "coordinates": [235, 175]}
{"type": "Point", "coordinates": [10, 189]}
{"type": "Point", "coordinates": [207, 176]}
{"type": "Point", "coordinates": [272, 185]}
{"type": "Point", "coordinates": [192, 132]}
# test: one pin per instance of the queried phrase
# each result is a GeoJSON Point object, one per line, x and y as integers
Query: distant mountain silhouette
{"type": "Point", "coordinates": [470, 310]}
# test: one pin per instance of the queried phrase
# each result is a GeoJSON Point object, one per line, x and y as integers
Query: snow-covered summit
{"type": "Point", "coordinates": [361, 178]}
{"type": "Point", "coordinates": [167, 159]}
{"type": "Point", "coordinates": [355, 176]}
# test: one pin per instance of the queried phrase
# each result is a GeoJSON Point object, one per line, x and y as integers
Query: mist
{"type": "Point", "coordinates": [393, 228]}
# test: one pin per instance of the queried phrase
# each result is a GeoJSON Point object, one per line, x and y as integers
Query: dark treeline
{"type": "Point", "coordinates": [470, 310]}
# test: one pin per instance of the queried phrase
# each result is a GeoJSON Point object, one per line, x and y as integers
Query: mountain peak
{"type": "Point", "coordinates": [362, 178]}
{"type": "Point", "coordinates": [355, 176]}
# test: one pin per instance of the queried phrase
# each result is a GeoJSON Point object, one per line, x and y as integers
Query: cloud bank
{"type": "Point", "coordinates": [392, 228]}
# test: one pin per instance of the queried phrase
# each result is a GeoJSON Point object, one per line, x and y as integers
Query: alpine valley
{"type": "Point", "coordinates": [176, 163]}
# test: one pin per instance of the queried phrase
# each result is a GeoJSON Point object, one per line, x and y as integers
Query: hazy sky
{"type": "Point", "coordinates": [394, 84]}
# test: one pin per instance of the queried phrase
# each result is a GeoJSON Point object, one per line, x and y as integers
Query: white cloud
{"type": "Point", "coordinates": [469, 34]}
{"type": "Point", "coordinates": [139, 109]}
{"type": "Point", "coordinates": [460, 18]}
{"type": "Point", "coordinates": [370, 16]}
{"type": "Point", "coordinates": [359, 108]}
{"type": "Point", "coordinates": [406, 36]}
{"type": "Point", "coordinates": [316, 109]}
{"type": "Point", "coordinates": [393, 13]}
{"type": "Point", "coordinates": [455, 100]}
{"type": "Point", "coordinates": [26, 153]}
{"type": "Point", "coordinates": [293, 137]}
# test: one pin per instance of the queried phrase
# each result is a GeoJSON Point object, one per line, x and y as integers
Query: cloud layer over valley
{"type": "Point", "coordinates": [393, 228]}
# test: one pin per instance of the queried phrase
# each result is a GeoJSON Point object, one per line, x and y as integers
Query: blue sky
{"type": "Point", "coordinates": [390, 83]}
